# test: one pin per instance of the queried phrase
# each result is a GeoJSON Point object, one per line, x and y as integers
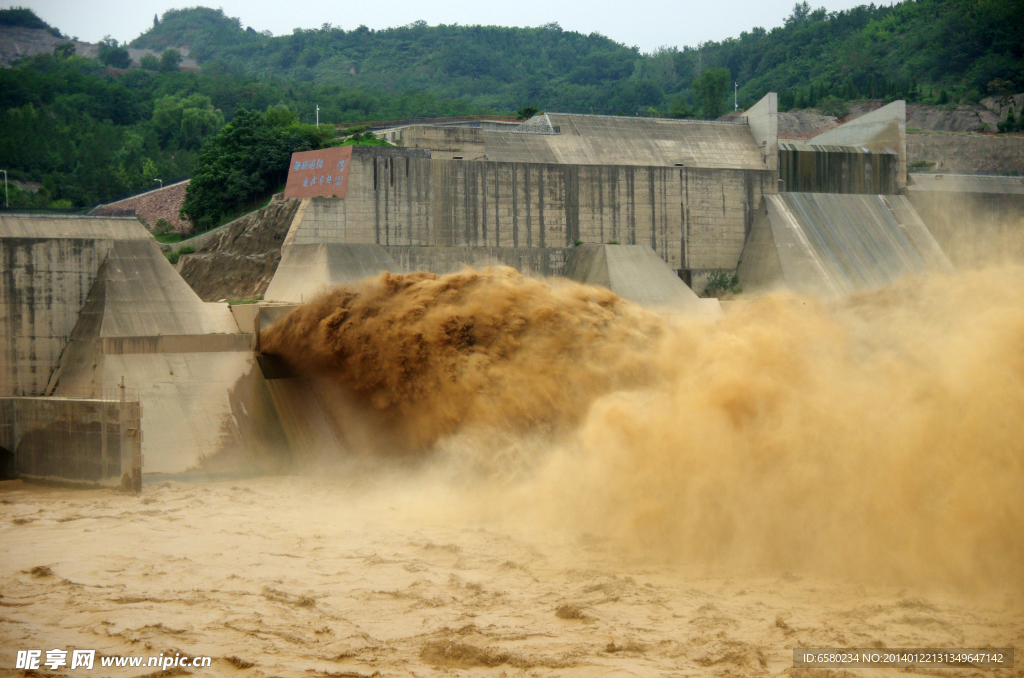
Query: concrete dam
{"type": "Point", "coordinates": [97, 323]}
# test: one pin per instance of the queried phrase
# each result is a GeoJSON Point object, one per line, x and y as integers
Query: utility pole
{"type": "Point", "coordinates": [6, 201]}
{"type": "Point", "coordinates": [318, 115]}
{"type": "Point", "coordinates": [735, 96]}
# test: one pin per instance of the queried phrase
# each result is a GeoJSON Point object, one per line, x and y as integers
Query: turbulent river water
{"type": "Point", "coordinates": [553, 481]}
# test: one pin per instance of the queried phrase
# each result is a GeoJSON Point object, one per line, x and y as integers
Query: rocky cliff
{"type": "Point", "coordinates": [240, 260]}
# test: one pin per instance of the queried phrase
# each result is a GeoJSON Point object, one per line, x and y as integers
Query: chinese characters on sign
{"type": "Point", "coordinates": [322, 173]}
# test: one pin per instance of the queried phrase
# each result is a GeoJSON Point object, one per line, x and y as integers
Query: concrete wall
{"type": "Point", "coordinates": [976, 220]}
{"type": "Point", "coordinates": [444, 142]}
{"type": "Point", "coordinates": [206, 406]}
{"type": "Point", "coordinates": [43, 285]}
{"type": "Point", "coordinates": [837, 169]}
{"type": "Point", "coordinates": [307, 270]}
{"type": "Point", "coordinates": [47, 267]}
{"type": "Point", "coordinates": [829, 245]}
{"type": "Point", "coordinates": [546, 261]}
{"type": "Point", "coordinates": [635, 272]}
{"type": "Point", "coordinates": [89, 301]}
{"type": "Point", "coordinates": [181, 343]}
{"type": "Point", "coordinates": [884, 128]}
{"type": "Point", "coordinates": [87, 441]}
{"type": "Point", "coordinates": [640, 142]}
{"type": "Point", "coordinates": [695, 218]}
{"type": "Point", "coordinates": [763, 118]}
{"type": "Point", "coordinates": [388, 202]}
{"type": "Point", "coordinates": [572, 139]}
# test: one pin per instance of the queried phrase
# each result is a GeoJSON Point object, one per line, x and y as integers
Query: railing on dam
{"type": "Point", "coordinates": [378, 124]}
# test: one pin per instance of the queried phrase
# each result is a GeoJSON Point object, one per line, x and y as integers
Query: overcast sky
{"type": "Point", "coordinates": [647, 24]}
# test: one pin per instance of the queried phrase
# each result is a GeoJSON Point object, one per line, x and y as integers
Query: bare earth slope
{"type": "Point", "coordinates": [802, 122]}
{"type": "Point", "coordinates": [951, 118]}
{"type": "Point", "coordinates": [240, 260]}
{"type": "Point", "coordinates": [16, 43]}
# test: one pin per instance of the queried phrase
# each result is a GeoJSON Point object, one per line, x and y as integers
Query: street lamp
{"type": "Point", "coordinates": [7, 203]}
{"type": "Point", "coordinates": [161, 182]}
{"type": "Point", "coordinates": [735, 96]}
{"type": "Point", "coordinates": [318, 115]}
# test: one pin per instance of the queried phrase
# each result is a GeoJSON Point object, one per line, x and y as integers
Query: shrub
{"type": "Point", "coordinates": [723, 282]}
{"type": "Point", "coordinates": [710, 90]}
{"type": "Point", "coordinates": [834, 106]}
{"type": "Point", "coordinates": [680, 109]}
{"type": "Point", "coordinates": [1011, 123]}
{"type": "Point", "coordinates": [149, 62]}
{"type": "Point", "coordinates": [174, 255]}
{"type": "Point", "coordinates": [162, 227]}
{"type": "Point", "coordinates": [112, 55]}
{"type": "Point", "coordinates": [170, 60]}
{"type": "Point", "coordinates": [526, 112]}
{"type": "Point", "coordinates": [64, 50]}
{"type": "Point", "coordinates": [358, 135]}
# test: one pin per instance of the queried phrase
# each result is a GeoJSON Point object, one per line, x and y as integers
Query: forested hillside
{"type": "Point", "coordinates": [89, 133]}
{"type": "Point", "coordinates": [21, 17]}
{"type": "Point", "coordinates": [914, 49]}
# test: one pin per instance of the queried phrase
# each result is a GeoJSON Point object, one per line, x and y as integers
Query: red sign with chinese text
{"type": "Point", "coordinates": [322, 173]}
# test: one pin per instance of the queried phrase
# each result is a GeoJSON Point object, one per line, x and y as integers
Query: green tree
{"type": "Point", "coordinates": [112, 55]}
{"type": "Point", "coordinates": [282, 116]}
{"type": "Point", "coordinates": [185, 122]}
{"type": "Point", "coordinates": [170, 60]}
{"type": "Point", "coordinates": [149, 62]}
{"type": "Point", "coordinates": [1002, 90]}
{"type": "Point", "coordinates": [834, 106]}
{"type": "Point", "coordinates": [64, 50]}
{"type": "Point", "coordinates": [681, 109]}
{"type": "Point", "coordinates": [198, 124]}
{"type": "Point", "coordinates": [710, 90]}
{"type": "Point", "coordinates": [801, 11]}
{"type": "Point", "coordinates": [526, 112]}
{"type": "Point", "coordinates": [1010, 124]}
{"type": "Point", "coordinates": [245, 161]}
{"type": "Point", "coordinates": [22, 17]}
